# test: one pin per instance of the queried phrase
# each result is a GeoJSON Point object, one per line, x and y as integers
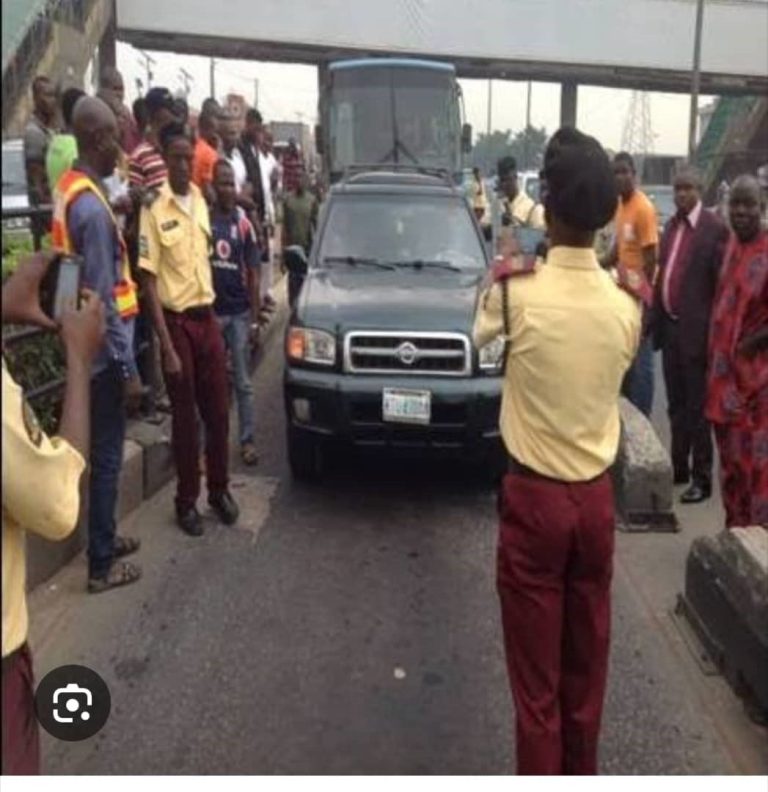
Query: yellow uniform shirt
{"type": "Point", "coordinates": [41, 494]}
{"type": "Point", "coordinates": [174, 245]}
{"type": "Point", "coordinates": [525, 211]}
{"type": "Point", "coordinates": [573, 335]}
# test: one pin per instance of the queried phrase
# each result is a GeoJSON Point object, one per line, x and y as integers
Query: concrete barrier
{"type": "Point", "coordinates": [642, 476]}
{"type": "Point", "coordinates": [726, 603]}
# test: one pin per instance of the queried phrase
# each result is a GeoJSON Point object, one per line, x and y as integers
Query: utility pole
{"type": "Point", "coordinates": [187, 79]}
{"type": "Point", "coordinates": [213, 78]}
{"type": "Point", "coordinates": [148, 62]}
{"type": "Point", "coordinates": [490, 105]}
{"type": "Point", "coordinates": [526, 139]}
{"type": "Point", "coordinates": [256, 93]}
{"type": "Point", "coordinates": [696, 80]}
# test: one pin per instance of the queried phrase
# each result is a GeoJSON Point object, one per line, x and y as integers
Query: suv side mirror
{"type": "Point", "coordinates": [318, 139]}
{"type": "Point", "coordinates": [466, 138]}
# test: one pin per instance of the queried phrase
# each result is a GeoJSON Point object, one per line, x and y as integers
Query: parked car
{"type": "Point", "coordinates": [663, 198]}
{"type": "Point", "coordinates": [14, 195]}
{"type": "Point", "coordinates": [379, 351]}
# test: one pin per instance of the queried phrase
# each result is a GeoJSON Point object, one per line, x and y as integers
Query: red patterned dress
{"type": "Point", "coordinates": [737, 388]}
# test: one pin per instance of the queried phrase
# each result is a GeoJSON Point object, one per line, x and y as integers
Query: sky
{"type": "Point", "coordinates": [288, 92]}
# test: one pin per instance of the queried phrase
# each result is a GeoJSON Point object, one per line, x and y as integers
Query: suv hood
{"type": "Point", "coordinates": [365, 299]}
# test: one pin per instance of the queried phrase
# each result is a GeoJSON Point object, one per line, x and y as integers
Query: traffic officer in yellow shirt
{"type": "Point", "coordinates": [41, 491]}
{"type": "Point", "coordinates": [571, 334]}
{"type": "Point", "coordinates": [174, 251]}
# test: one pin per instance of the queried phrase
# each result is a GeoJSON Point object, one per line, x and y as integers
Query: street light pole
{"type": "Point", "coordinates": [213, 78]}
{"type": "Point", "coordinates": [526, 139]}
{"type": "Point", "coordinates": [490, 105]}
{"type": "Point", "coordinates": [696, 80]}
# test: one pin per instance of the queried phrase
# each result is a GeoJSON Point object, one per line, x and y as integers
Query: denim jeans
{"type": "Point", "coordinates": [235, 330]}
{"type": "Point", "coordinates": [107, 436]}
{"type": "Point", "coordinates": [638, 382]}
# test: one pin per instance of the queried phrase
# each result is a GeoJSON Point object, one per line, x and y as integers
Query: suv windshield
{"type": "Point", "coordinates": [393, 230]}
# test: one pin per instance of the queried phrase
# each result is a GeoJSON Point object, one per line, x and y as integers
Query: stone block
{"type": "Point", "coordinates": [155, 440]}
{"type": "Point", "coordinates": [131, 487]}
{"type": "Point", "coordinates": [726, 602]}
{"type": "Point", "coordinates": [642, 476]}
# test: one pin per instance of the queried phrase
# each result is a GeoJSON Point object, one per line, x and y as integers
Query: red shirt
{"type": "Point", "coordinates": [735, 383]}
{"type": "Point", "coordinates": [146, 167]}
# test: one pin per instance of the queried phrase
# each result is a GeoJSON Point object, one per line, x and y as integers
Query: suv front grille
{"type": "Point", "coordinates": [416, 353]}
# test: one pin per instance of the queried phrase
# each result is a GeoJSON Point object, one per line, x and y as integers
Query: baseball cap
{"type": "Point", "coordinates": [159, 99]}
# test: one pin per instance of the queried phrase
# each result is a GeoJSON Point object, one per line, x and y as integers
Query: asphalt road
{"type": "Point", "coordinates": [348, 628]}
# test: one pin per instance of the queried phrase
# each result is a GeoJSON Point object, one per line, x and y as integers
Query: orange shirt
{"type": "Point", "coordinates": [202, 165]}
{"type": "Point", "coordinates": [636, 228]}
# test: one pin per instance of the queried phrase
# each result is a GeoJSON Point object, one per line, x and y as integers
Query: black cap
{"type": "Point", "coordinates": [159, 99]}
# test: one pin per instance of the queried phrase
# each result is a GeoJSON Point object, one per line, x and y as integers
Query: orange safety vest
{"type": "Point", "coordinates": [72, 184]}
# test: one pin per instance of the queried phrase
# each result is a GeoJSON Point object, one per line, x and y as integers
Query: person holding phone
{"type": "Point", "coordinates": [41, 489]}
{"type": "Point", "coordinates": [84, 224]}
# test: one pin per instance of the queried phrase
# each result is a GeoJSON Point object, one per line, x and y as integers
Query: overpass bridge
{"type": "Point", "coordinates": [643, 44]}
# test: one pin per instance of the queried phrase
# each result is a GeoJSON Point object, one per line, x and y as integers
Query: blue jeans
{"type": "Point", "coordinates": [107, 436]}
{"type": "Point", "coordinates": [236, 331]}
{"type": "Point", "coordinates": [638, 382]}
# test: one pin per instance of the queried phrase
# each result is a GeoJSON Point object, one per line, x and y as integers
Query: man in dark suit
{"type": "Point", "coordinates": [691, 253]}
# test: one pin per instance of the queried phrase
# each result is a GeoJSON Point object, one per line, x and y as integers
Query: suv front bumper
{"type": "Point", "coordinates": [348, 407]}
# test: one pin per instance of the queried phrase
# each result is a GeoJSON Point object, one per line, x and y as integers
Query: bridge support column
{"type": "Point", "coordinates": [108, 43]}
{"type": "Point", "coordinates": [568, 103]}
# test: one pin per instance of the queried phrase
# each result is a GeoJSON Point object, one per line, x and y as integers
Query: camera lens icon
{"type": "Point", "coordinates": [74, 699]}
{"type": "Point", "coordinates": [72, 703]}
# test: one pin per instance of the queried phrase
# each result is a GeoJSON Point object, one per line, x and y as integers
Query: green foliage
{"type": "Point", "coordinates": [526, 146]}
{"type": "Point", "coordinates": [35, 361]}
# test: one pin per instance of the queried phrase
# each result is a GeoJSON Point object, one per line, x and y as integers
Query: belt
{"type": "Point", "coordinates": [517, 468]}
{"type": "Point", "coordinates": [196, 314]}
{"type": "Point", "coordinates": [11, 659]}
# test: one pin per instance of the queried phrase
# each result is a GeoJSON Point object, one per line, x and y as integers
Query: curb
{"type": "Point", "coordinates": [147, 468]}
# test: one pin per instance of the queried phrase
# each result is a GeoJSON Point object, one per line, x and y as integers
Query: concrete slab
{"type": "Point", "coordinates": [158, 465]}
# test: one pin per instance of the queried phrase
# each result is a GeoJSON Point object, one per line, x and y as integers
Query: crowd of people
{"type": "Point", "coordinates": [176, 225]}
{"type": "Point", "coordinates": [188, 217]}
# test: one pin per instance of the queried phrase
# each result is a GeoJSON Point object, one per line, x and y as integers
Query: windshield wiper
{"type": "Point", "coordinates": [354, 261]}
{"type": "Point", "coordinates": [422, 264]}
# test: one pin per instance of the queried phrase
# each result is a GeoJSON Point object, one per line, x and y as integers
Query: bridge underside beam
{"type": "Point", "coordinates": [606, 76]}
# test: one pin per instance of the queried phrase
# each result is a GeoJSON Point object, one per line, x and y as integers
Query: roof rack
{"type": "Point", "coordinates": [359, 169]}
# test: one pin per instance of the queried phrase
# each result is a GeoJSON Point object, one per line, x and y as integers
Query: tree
{"type": "Point", "coordinates": [526, 146]}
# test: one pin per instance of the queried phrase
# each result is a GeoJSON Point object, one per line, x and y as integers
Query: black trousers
{"type": "Point", "coordinates": [686, 380]}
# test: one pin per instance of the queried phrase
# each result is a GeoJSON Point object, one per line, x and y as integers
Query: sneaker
{"type": "Point", "coordinates": [225, 507]}
{"type": "Point", "coordinates": [189, 521]}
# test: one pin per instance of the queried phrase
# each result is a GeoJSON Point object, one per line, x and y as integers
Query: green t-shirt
{"type": "Point", "coordinates": [62, 152]}
{"type": "Point", "coordinates": [299, 215]}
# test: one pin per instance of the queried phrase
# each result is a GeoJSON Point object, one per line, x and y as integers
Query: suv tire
{"type": "Point", "coordinates": [305, 455]}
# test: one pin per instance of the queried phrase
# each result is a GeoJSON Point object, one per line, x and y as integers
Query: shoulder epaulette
{"type": "Point", "coordinates": [635, 283]}
{"type": "Point", "coordinates": [512, 267]}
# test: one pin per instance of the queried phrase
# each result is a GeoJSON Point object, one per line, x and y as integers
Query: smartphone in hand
{"type": "Point", "coordinates": [61, 287]}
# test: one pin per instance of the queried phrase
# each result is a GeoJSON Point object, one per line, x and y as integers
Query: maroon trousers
{"type": "Point", "coordinates": [553, 576]}
{"type": "Point", "coordinates": [201, 387]}
{"type": "Point", "coordinates": [21, 737]}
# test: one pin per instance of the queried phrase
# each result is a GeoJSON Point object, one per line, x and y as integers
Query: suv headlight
{"type": "Point", "coordinates": [490, 356]}
{"type": "Point", "coordinates": [311, 346]}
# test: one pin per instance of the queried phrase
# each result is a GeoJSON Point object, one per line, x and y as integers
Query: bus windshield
{"type": "Point", "coordinates": [403, 115]}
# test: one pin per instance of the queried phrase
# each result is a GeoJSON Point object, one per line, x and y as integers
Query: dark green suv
{"type": "Point", "coordinates": [379, 350]}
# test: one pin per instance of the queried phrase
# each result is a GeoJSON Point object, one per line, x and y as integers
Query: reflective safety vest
{"type": "Point", "coordinates": [72, 184]}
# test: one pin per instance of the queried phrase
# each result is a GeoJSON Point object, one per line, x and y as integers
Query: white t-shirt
{"type": "Point", "coordinates": [238, 166]}
{"type": "Point", "coordinates": [268, 165]}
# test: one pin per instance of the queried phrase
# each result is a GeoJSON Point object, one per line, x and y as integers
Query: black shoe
{"type": "Point", "coordinates": [696, 493]}
{"type": "Point", "coordinates": [681, 477]}
{"type": "Point", "coordinates": [225, 507]}
{"type": "Point", "coordinates": [189, 521]}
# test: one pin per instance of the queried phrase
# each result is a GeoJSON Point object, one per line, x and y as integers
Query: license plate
{"type": "Point", "coordinates": [407, 406]}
